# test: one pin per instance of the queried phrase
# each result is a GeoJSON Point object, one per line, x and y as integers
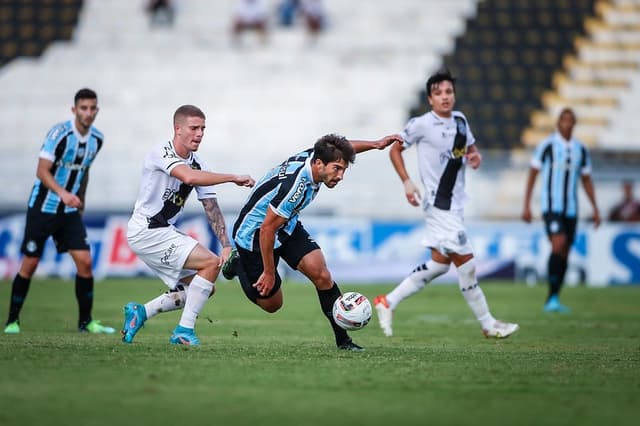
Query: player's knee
{"type": "Point", "coordinates": [269, 305]}
{"type": "Point", "coordinates": [210, 268]}
{"type": "Point", "coordinates": [84, 267]}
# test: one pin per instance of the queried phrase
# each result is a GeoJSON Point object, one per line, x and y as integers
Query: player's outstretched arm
{"type": "Point", "coordinates": [204, 178]}
{"type": "Point", "coordinates": [362, 146]}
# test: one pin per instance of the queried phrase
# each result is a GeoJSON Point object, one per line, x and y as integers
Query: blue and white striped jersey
{"type": "Point", "coordinates": [72, 155]}
{"type": "Point", "coordinates": [562, 163]}
{"type": "Point", "coordinates": [286, 189]}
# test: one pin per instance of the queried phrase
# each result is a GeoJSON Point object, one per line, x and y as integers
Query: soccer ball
{"type": "Point", "coordinates": [352, 311]}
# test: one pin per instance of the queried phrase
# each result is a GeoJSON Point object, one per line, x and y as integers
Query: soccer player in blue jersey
{"type": "Point", "coordinates": [563, 161]}
{"type": "Point", "coordinates": [268, 227]}
{"type": "Point", "coordinates": [55, 206]}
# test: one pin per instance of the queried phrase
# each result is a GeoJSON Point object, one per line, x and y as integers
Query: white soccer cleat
{"type": "Point", "coordinates": [500, 330]}
{"type": "Point", "coordinates": [384, 314]}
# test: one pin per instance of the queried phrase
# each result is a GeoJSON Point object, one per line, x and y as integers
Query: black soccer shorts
{"type": "Point", "coordinates": [68, 232]}
{"type": "Point", "coordinates": [250, 267]}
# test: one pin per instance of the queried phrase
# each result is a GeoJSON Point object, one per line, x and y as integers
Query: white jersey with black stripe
{"type": "Point", "coordinates": [162, 197]}
{"type": "Point", "coordinates": [441, 166]}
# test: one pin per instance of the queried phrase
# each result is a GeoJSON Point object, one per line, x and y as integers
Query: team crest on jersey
{"type": "Point", "coordinates": [459, 152]}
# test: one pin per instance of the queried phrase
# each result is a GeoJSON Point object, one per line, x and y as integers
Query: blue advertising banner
{"type": "Point", "coordinates": [370, 251]}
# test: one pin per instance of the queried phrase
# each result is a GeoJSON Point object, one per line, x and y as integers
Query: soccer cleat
{"type": "Point", "coordinates": [134, 317]}
{"type": "Point", "coordinates": [229, 267]}
{"type": "Point", "coordinates": [184, 336]}
{"type": "Point", "coordinates": [12, 328]}
{"type": "Point", "coordinates": [350, 346]}
{"type": "Point", "coordinates": [95, 327]}
{"type": "Point", "coordinates": [385, 314]}
{"type": "Point", "coordinates": [554, 305]}
{"type": "Point", "coordinates": [500, 330]}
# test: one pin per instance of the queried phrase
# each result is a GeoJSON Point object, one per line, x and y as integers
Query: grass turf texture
{"type": "Point", "coordinates": [580, 368]}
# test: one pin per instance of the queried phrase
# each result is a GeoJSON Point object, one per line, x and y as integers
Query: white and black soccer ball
{"type": "Point", "coordinates": [352, 311]}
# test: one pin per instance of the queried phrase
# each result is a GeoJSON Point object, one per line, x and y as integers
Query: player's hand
{"type": "Point", "coordinates": [265, 283]}
{"type": "Point", "coordinates": [244, 180]}
{"type": "Point", "coordinates": [474, 159]}
{"type": "Point", "coordinates": [71, 200]}
{"type": "Point", "coordinates": [412, 193]}
{"type": "Point", "coordinates": [387, 140]}
{"type": "Point", "coordinates": [224, 255]}
{"type": "Point", "coordinates": [526, 215]}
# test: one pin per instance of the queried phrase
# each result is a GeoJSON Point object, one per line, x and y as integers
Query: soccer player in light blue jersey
{"type": "Point", "coordinates": [563, 161]}
{"type": "Point", "coordinates": [55, 204]}
{"type": "Point", "coordinates": [268, 227]}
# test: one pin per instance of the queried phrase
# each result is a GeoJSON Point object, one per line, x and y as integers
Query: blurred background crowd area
{"type": "Point", "coordinates": [305, 69]}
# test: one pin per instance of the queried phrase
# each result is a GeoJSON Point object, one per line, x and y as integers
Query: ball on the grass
{"type": "Point", "coordinates": [352, 311]}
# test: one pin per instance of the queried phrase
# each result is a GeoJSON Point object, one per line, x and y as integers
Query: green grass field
{"type": "Point", "coordinates": [581, 368]}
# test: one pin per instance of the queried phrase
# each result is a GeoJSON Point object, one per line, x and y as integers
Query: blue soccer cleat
{"type": "Point", "coordinates": [184, 336]}
{"type": "Point", "coordinates": [134, 317]}
{"type": "Point", "coordinates": [554, 305]}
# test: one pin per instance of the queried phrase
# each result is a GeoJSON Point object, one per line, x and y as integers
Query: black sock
{"type": "Point", "coordinates": [19, 291]}
{"type": "Point", "coordinates": [562, 271]}
{"type": "Point", "coordinates": [84, 295]}
{"type": "Point", "coordinates": [556, 269]}
{"type": "Point", "coordinates": [327, 297]}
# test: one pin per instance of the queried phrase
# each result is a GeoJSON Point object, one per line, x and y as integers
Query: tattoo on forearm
{"type": "Point", "coordinates": [216, 220]}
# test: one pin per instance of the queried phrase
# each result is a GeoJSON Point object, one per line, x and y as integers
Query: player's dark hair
{"type": "Point", "coordinates": [188, 111]}
{"type": "Point", "coordinates": [84, 94]}
{"type": "Point", "coordinates": [439, 77]}
{"type": "Point", "coordinates": [567, 110]}
{"type": "Point", "coordinates": [333, 147]}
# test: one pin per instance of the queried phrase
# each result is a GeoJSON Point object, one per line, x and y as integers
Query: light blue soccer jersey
{"type": "Point", "coordinates": [286, 189]}
{"type": "Point", "coordinates": [72, 155]}
{"type": "Point", "coordinates": [562, 163]}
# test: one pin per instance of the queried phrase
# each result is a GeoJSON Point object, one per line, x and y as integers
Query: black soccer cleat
{"type": "Point", "coordinates": [230, 266]}
{"type": "Point", "coordinates": [350, 346]}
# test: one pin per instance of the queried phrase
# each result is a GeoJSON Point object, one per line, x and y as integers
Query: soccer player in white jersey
{"type": "Point", "coordinates": [445, 146]}
{"type": "Point", "coordinates": [170, 172]}
{"type": "Point", "coordinates": [563, 161]}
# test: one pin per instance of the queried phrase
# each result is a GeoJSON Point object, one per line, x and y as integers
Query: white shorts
{"type": "Point", "coordinates": [445, 231]}
{"type": "Point", "coordinates": [164, 250]}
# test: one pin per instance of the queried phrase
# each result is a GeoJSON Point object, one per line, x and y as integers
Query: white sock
{"type": "Point", "coordinates": [473, 294]}
{"type": "Point", "coordinates": [416, 281]}
{"type": "Point", "coordinates": [169, 301]}
{"type": "Point", "coordinates": [197, 294]}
